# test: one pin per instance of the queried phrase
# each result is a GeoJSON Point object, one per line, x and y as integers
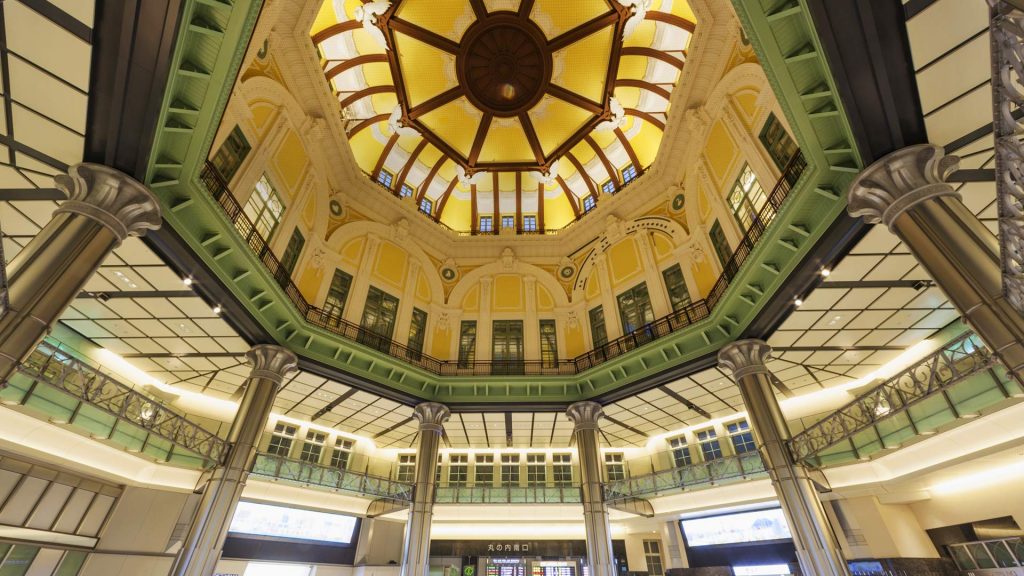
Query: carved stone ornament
{"type": "Point", "coordinates": [614, 229]}
{"type": "Point", "coordinates": [431, 415]}
{"type": "Point", "coordinates": [316, 260]}
{"type": "Point", "coordinates": [899, 181]}
{"type": "Point", "coordinates": [110, 197]}
{"type": "Point", "coordinates": [585, 415]}
{"type": "Point", "coordinates": [508, 259]}
{"type": "Point", "coordinates": [745, 357]}
{"type": "Point", "coordinates": [400, 231]}
{"type": "Point", "coordinates": [573, 320]}
{"type": "Point", "coordinates": [271, 362]}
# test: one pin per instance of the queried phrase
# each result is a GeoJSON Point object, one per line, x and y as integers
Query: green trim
{"type": "Point", "coordinates": [192, 108]}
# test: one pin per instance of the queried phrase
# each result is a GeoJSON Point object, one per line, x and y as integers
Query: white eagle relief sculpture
{"type": "Point", "coordinates": [617, 119]}
{"type": "Point", "coordinates": [638, 9]}
{"type": "Point", "coordinates": [467, 180]}
{"type": "Point", "coordinates": [367, 14]}
{"type": "Point", "coordinates": [546, 178]}
{"type": "Point", "coordinates": [397, 125]}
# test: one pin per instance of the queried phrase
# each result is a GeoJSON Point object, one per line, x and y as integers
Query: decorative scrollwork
{"type": "Point", "coordinates": [960, 358]}
{"type": "Point", "coordinates": [1006, 30]}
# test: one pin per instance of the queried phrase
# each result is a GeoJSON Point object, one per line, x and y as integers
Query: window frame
{"type": "Point", "coordinates": [529, 223]}
{"type": "Point", "coordinates": [678, 292]}
{"type": "Point", "coordinates": [313, 447]}
{"type": "Point", "coordinates": [264, 208]}
{"type": "Point", "coordinates": [231, 157]}
{"type": "Point", "coordinates": [293, 251]}
{"type": "Point", "coordinates": [337, 296]}
{"type": "Point", "coordinates": [385, 178]}
{"type": "Point", "coordinates": [641, 308]}
{"type": "Point", "coordinates": [629, 173]}
{"type": "Point", "coordinates": [467, 343]}
{"type": "Point", "coordinates": [486, 224]}
{"type": "Point", "coordinates": [548, 330]}
{"type": "Point", "coordinates": [588, 203]}
{"type": "Point", "coordinates": [598, 328]}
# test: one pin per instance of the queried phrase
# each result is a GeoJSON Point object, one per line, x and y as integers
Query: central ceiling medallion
{"type": "Point", "coordinates": [504, 65]}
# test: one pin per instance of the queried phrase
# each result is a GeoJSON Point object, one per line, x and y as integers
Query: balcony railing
{"type": "Point", "coordinates": [307, 473]}
{"type": "Point", "coordinates": [507, 495]}
{"type": "Point", "coordinates": [961, 378]}
{"type": "Point", "coordinates": [71, 392]}
{"type": "Point", "coordinates": [331, 322]}
{"type": "Point", "coordinates": [697, 475]}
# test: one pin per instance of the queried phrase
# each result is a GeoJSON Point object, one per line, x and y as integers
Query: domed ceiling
{"type": "Point", "coordinates": [513, 114]}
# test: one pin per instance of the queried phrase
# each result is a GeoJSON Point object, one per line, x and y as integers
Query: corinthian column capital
{"type": "Point", "coordinates": [899, 181]}
{"type": "Point", "coordinates": [110, 197]}
{"type": "Point", "coordinates": [431, 415]}
{"type": "Point", "coordinates": [585, 415]}
{"type": "Point", "coordinates": [744, 357]}
{"type": "Point", "coordinates": [271, 362]}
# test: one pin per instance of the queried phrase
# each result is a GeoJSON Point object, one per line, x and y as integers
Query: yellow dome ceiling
{"type": "Point", "coordinates": [504, 113]}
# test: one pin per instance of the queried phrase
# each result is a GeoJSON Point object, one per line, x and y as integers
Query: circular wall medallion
{"type": "Point", "coordinates": [335, 208]}
{"type": "Point", "coordinates": [504, 64]}
{"type": "Point", "coordinates": [678, 202]}
{"type": "Point", "coordinates": [567, 272]}
{"type": "Point", "coordinates": [448, 274]}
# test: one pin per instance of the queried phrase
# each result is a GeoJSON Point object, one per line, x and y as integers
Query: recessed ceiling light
{"type": "Point", "coordinates": [187, 281]}
{"type": "Point", "coordinates": [798, 302]}
{"type": "Point", "coordinates": [217, 309]}
{"type": "Point", "coordinates": [825, 272]}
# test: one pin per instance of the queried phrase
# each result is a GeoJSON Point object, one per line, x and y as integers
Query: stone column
{"type": "Point", "coordinates": [656, 289]}
{"type": "Point", "coordinates": [531, 324]}
{"type": "Point", "coordinates": [103, 208]}
{"type": "Point", "coordinates": [484, 323]}
{"type": "Point", "coordinates": [585, 416]}
{"type": "Point", "coordinates": [816, 546]}
{"type": "Point", "coordinates": [403, 320]}
{"type": "Point", "coordinates": [202, 546]}
{"type": "Point", "coordinates": [612, 322]}
{"type": "Point", "coordinates": [361, 281]}
{"type": "Point", "coordinates": [416, 552]}
{"type": "Point", "coordinates": [908, 192]}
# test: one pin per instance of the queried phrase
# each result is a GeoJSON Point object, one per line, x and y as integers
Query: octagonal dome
{"type": "Point", "coordinates": [494, 114]}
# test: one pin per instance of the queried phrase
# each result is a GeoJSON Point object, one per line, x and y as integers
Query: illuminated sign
{"type": "Point", "coordinates": [743, 527]}
{"type": "Point", "coordinates": [292, 523]}
{"type": "Point", "coordinates": [764, 570]}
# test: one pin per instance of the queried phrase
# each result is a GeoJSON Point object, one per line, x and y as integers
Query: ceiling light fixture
{"type": "Point", "coordinates": [798, 302]}
{"type": "Point", "coordinates": [187, 281]}
{"type": "Point", "coordinates": [825, 272]}
{"type": "Point", "coordinates": [217, 310]}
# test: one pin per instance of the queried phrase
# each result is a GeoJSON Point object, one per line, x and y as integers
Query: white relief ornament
{"type": "Point", "coordinates": [397, 124]}
{"type": "Point", "coordinates": [638, 11]}
{"type": "Point", "coordinates": [508, 259]}
{"type": "Point", "coordinates": [465, 179]}
{"type": "Point", "coordinates": [547, 177]}
{"type": "Point", "coordinates": [400, 231]}
{"type": "Point", "coordinates": [317, 259]}
{"type": "Point", "coordinates": [617, 119]}
{"type": "Point", "coordinates": [573, 320]}
{"type": "Point", "coordinates": [367, 14]}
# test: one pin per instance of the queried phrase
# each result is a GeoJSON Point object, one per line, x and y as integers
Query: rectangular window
{"type": "Point", "coordinates": [680, 452]}
{"type": "Point", "coordinates": [629, 174]}
{"type": "Point", "coordinates": [406, 191]}
{"type": "Point", "coordinates": [720, 244]}
{"type": "Point", "coordinates": [281, 440]}
{"type": "Point", "coordinates": [385, 178]}
{"type": "Point", "coordinates": [709, 447]}
{"type": "Point", "coordinates": [597, 328]}
{"type": "Point", "coordinates": [486, 224]}
{"type": "Point", "coordinates": [378, 317]}
{"type": "Point", "coordinates": [747, 198]}
{"type": "Point", "coordinates": [608, 187]}
{"type": "Point", "coordinates": [426, 206]}
{"type": "Point", "coordinates": [337, 295]}
{"type": "Point", "coordinates": [406, 468]}
{"type": "Point", "coordinates": [675, 284]}
{"type": "Point", "coordinates": [293, 251]}
{"type": "Point", "coordinates": [561, 469]}
{"type": "Point", "coordinates": [548, 344]}
{"type": "Point", "coordinates": [264, 208]}
{"type": "Point", "coordinates": [614, 467]}
{"type": "Point", "coordinates": [417, 331]}
{"type": "Point", "coordinates": [508, 221]}
{"type": "Point", "coordinates": [589, 203]}
{"type": "Point", "coordinates": [635, 308]}
{"type": "Point", "coordinates": [437, 471]}
{"type": "Point", "coordinates": [467, 343]}
{"type": "Point", "coordinates": [536, 469]}
{"type": "Point", "coordinates": [507, 346]}
{"type": "Point", "coordinates": [777, 142]}
{"type": "Point", "coordinates": [313, 447]}
{"type": "Point", "coordinates": [652, 554]}
{"type": "Point", "coordinates": [231, 154]}
{"type": "Point", "coordinates": [510, 469]}
{"type": "Point", "coordinates": [342, 453]}
{"type": "Point", "coordinates": [529, 223]}
{"type": "Point", "coordinates": [458, 469]}
{"type": "Point", "coordinates": [483, 472]}
{"type": "Point", "coordinates": [741, 436]}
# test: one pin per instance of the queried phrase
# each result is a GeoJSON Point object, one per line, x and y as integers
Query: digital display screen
{"type": "Point", "coordinates": [756, 526]}
{"type": "Point", "coordinates": [763, 570]}
{"type": "Point", "coordinates": [504, 567]}
{"type": "Point", "coordinates": [292, 523]}
{"type": "Point", "coordinates": [553, 568]}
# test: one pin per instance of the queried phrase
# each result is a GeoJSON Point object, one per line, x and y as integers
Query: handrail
{"type": "Point", "coordinates": [736, 467]}
{"type": "Point", "coordinates": [507, 494]}
{"type": "Point", "coordinates": [695, 312]}
{"type": "Point", "coordinates": [281, 468]}
{"type": "Point", "coordinates": [957, 360]}
{"type": "Point", "coordinates": [85, 383]}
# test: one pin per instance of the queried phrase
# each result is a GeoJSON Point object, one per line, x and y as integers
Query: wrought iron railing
{"type": "Point", "coordinates": [931, 377]}
{"type": "Point", "coordinates": [307, 473]}
{"type": "Point", "coordinates": [332, 322]}
{"type": "Point", "coordinates": [96, 396]}
{"type": "Point", "coordinates": [696, 475]}
{"type": "Point", "coordinates": [507, 495]}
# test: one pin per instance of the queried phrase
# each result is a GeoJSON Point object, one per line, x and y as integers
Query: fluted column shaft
{"type": "Point", "coordinates": [907, 191]}
{"type": "Point", "coordinates": [585, 416]}
{"type": "Point", "coordinates": [817, 550]}
{"type": "Point", "coordinates": [205, 540]}
{"type": "Point", "coordinates": [416, 552]}
{"type": "Point", "coordinates": [103, 208]}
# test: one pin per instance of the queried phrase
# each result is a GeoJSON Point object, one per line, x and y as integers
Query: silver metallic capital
{"type": "Point", "coordinates": [271, 362]}
{"type": "Point", "coordinates": [899, 181]}
{"type": "Point", "coordinates": [585, 415]}
{"type": "Point", "coordinates": [744, 357]}
{"type": "Point", "coordinates": [110, 197]}
{"type": "Point", "coordinates": [431, 415]}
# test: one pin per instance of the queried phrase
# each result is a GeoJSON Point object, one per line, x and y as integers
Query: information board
{"type": "Point", "coordinates": [553, 568]}
{"type": "Point", "coordinates": [504, 567]}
